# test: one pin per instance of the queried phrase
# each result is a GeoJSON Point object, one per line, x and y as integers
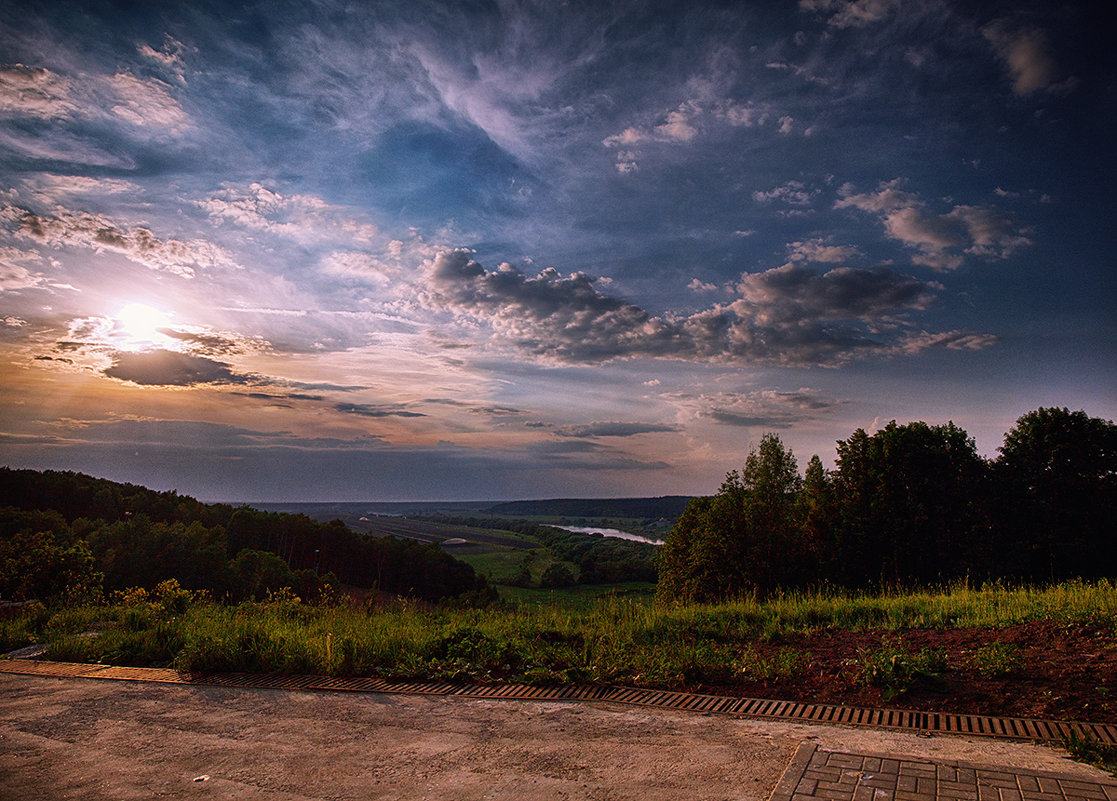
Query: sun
{"type": "Point", "coordinates": [139, 326]}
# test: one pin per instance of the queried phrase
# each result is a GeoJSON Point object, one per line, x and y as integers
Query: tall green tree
{"type": "Point", "coordinates": [905, 504]}
{"type": "Point", "coordinates": [1057, 477]}
{"type": "Point", "coordinates": [818, 516]}
{"type": "Point", "coordinates": [744, 539]}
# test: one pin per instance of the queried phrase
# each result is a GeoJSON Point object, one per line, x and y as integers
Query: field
{"type": "Point", "coordinates": [1028, 652]}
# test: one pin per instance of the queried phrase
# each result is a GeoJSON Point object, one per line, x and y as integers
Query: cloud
{"type": "Point", "coordinates": [1025, 53]}
{"type": "Point", "coordinates": [299, 216]}
{"type": "Point", "coordinates": [696, 285]}
{"type": "Point", "coordinates": [51, 187]}
{"type": "Point", "coordinates": [147, 103]}
{"type": "Point", "coordinates": [169, 57]}
{"type": "Point", "coordinates": [564, 318]}
{"type": "Point", "coordinates": [612, 429]}
{"type": "Point", "coordinates": [139, 244]}
{"type": "Point", "coordinates": [209, 343]}
{"type": "Point", "coordinates": [684, 124]}
{"type": "Point", "coordinates": [35, 92]}
{"type": "Point", "coordinates": [360, 266]}
{"type": "Point", "coordinates": [39, 92]}
{"type": "Point", "coordinates": [790, 315]}
{"type": "Point", "coordinates": [14, 275]}
{"type": "Point", "coordinates": [768, 408]}
{"type": "Point", "coordinates": [793, 193]}
{"type": "Point", "coordinates": [941, 239]}
{"type": "Point", "coordinates": [851, 13]}
{"type": "Point", "coordinates": [794, 295]}
{"type": "Point", "coordinates": [171, 368]}
{"type": "Point", "coordinates": [815, 250]}
{"type": "Point", "coordinates": [951, 340]}
{"type": "Point", "coordinates": [372, 410]}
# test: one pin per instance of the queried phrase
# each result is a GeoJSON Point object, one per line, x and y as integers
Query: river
{"type": "Point", "coordinates": [610, 532]}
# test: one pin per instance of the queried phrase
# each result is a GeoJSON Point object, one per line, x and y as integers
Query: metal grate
{"type": "Point", "coordinates": [938, 722]}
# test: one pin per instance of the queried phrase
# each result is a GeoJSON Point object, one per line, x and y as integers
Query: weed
{"type": "Point", "coordinates": [1091, 751]}
{"type": "Point", "coordinates": [996, 660]}
{"type": "Point", "coordinates": [897, 670]}
{"type": "Point", "coordinates": [784, 663]}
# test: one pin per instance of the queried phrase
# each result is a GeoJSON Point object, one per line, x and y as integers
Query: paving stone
{"type": "Point", "coordinates": [817, 775]}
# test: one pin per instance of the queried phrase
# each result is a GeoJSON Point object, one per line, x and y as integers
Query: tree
{"type": "Point", "coordinates": [743, 539]}
{"type": "Point", "coordinates": [556, 575]}
{"type": "Point", "coordinates": [818, 514]}
{"type": "Point", "coordinates": [905, 504]}
{"type": "Point", "coordinates": [1057, 476]}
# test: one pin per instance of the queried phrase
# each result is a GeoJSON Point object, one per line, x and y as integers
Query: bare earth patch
{"type": "Point", "coordinates": [1039, 670]}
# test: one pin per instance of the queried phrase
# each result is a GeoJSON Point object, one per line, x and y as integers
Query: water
{"type": "Point", "coordinates": [610, 532]}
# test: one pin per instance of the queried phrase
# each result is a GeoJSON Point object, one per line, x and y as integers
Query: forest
{"type": "Point", "coordinates": [908, 506]}
{"type": "Point", "coordinates": [69, 534]}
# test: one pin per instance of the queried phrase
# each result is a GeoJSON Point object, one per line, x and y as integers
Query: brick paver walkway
{"type": "Point", "coordinates": [818, 775]}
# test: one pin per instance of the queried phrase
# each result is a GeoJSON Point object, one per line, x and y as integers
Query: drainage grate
{"type": "Point", "coordinates": [938, 722]}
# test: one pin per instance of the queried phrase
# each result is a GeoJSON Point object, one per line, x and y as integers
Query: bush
{"type": "Point", "coordinates": [556, 575]}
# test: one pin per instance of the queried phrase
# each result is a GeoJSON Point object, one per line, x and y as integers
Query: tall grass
{"type": "Point", "coordinates": [615, 640]}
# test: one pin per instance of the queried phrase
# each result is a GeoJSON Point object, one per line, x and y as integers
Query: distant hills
{"type": "Point", "coordinates": [667, 506]}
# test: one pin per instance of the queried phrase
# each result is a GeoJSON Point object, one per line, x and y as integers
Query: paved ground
{"type": "Point", "coordinates": [816, 774]}
{"type": "Point", "coordinates": [90, 739]}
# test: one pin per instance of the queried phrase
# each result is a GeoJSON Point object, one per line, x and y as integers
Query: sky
{"type": "Point", "coordinates": [422, 250]}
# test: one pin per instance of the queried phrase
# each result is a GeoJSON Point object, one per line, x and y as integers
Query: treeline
{"type": "Point", "coordinates": [669, 506]}
{"type": "Point", "coordinates": [910, 505]}
{"type": "Point", "coordinates": [63, 532]}
{"type": "Point", "coordinates": [600, 559]}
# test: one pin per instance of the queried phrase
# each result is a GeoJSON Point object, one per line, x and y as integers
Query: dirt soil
{"type": "Point", "coordinates": [1060, 672]}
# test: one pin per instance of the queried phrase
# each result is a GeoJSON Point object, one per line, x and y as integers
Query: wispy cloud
{"type": "Point", "coordinates": [299, 216]}
{"type": "Point", "coordinates": [35, 92]}
{"type": "Point", "coordinates": [851, 13]}
{"type": "Point", "coordinates": [65, 228]}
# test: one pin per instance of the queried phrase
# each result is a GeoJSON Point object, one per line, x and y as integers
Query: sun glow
{"type": "Point", "coordinates": [139, 326]}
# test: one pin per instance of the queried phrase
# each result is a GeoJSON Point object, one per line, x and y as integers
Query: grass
{"type": "Point", "coordinates": [501, 565]}
{"type": "Point", "coordinates": [547, 636]}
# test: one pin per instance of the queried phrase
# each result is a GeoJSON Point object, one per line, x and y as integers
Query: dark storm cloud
{"type": "Point", "coordinates": [170, 368]}
{"type": "Point", "coordinates": [789, 315]}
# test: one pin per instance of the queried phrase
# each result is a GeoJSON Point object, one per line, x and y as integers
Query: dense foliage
{"type": "Point", "coordinates": [599, 559]}
{"type": "Point", "coordinates": [910, 505]}
{"type": "Point", "coordinates": [67, 533]}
